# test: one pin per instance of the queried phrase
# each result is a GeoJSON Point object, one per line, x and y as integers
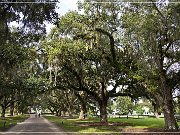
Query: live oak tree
{"type": "Point", "coordinates": [86, 55]}
{"type": "Point", "coordinates": [153, 30]}
{"type": "Point", "coordinates": [123, 105]}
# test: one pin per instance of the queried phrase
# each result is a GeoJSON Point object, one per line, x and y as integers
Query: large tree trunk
{"type": "Point", "coordinates": [166, 91]}
{"type": "Point", "coordinates": [103, 111]}
{"type": "Point", "coordinates": [170, 121]}
{"type": "Point", "coordinates": [103, 104]}
{"type": "Point", "coordinates": [168, 107]}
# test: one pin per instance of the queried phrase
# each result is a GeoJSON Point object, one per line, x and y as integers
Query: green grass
{"type": "Point", "coordinates": [10, 121]}
{"type": "Point", "coordinates": [73, 125]}
{"type": "Point", "coordinates": [142, 122]}
{"type": "Point", "coordinates": [76, 125]}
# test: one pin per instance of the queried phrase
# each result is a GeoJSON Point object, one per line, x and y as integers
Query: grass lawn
{"type": "Point", "coordinates": [10, 121]}
{"type": "Point", "coordinates": [115, 124]}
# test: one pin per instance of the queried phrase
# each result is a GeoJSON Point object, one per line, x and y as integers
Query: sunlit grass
{"type": "Point", "coordinates": [81, 126]}
{"type": "Point", "coordinates": [142, 122]}
{"type": "Point", "coordinates": [7, 122]}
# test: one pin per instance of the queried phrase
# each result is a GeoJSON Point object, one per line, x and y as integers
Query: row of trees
{"type": "Point", "coordinates": [132, 47]}
{"type": "Point", "coordinates": [111, 50]}
{"type": "Point", "coordinates": [19, 66]}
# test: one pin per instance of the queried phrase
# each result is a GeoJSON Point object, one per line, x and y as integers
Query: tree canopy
{"type": "Point", "coordinates": [113, 50]}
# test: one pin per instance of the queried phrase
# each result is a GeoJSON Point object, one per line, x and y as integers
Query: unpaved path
{"type": "Point", "coordinates": [35, 126]}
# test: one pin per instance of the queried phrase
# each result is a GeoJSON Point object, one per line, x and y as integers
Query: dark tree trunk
{"type": "Point", "coordinates": [103, 104]}
{"type": "Point", "coordinates": [170, 121]}
{"type": "Point", "coordinates": [168, 107]}
{"type": "Point", "coordinates": [166, 91]}
{"type": "Point", "coordinates": [103, 111]}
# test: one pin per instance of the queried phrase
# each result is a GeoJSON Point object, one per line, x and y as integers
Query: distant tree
{"type": "Point", "coordinates": [123, 105]}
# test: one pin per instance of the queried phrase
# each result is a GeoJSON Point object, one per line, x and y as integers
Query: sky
{"type": "Point", "coordinates": [66, 5]}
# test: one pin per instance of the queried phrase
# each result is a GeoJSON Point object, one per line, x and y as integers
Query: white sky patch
{"type": "Point", "coordinates": [49, 27]}
{"type": "Point", "coordinates": [66, 5]}
{"type": "Point", "coordinates": [14, 24]}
